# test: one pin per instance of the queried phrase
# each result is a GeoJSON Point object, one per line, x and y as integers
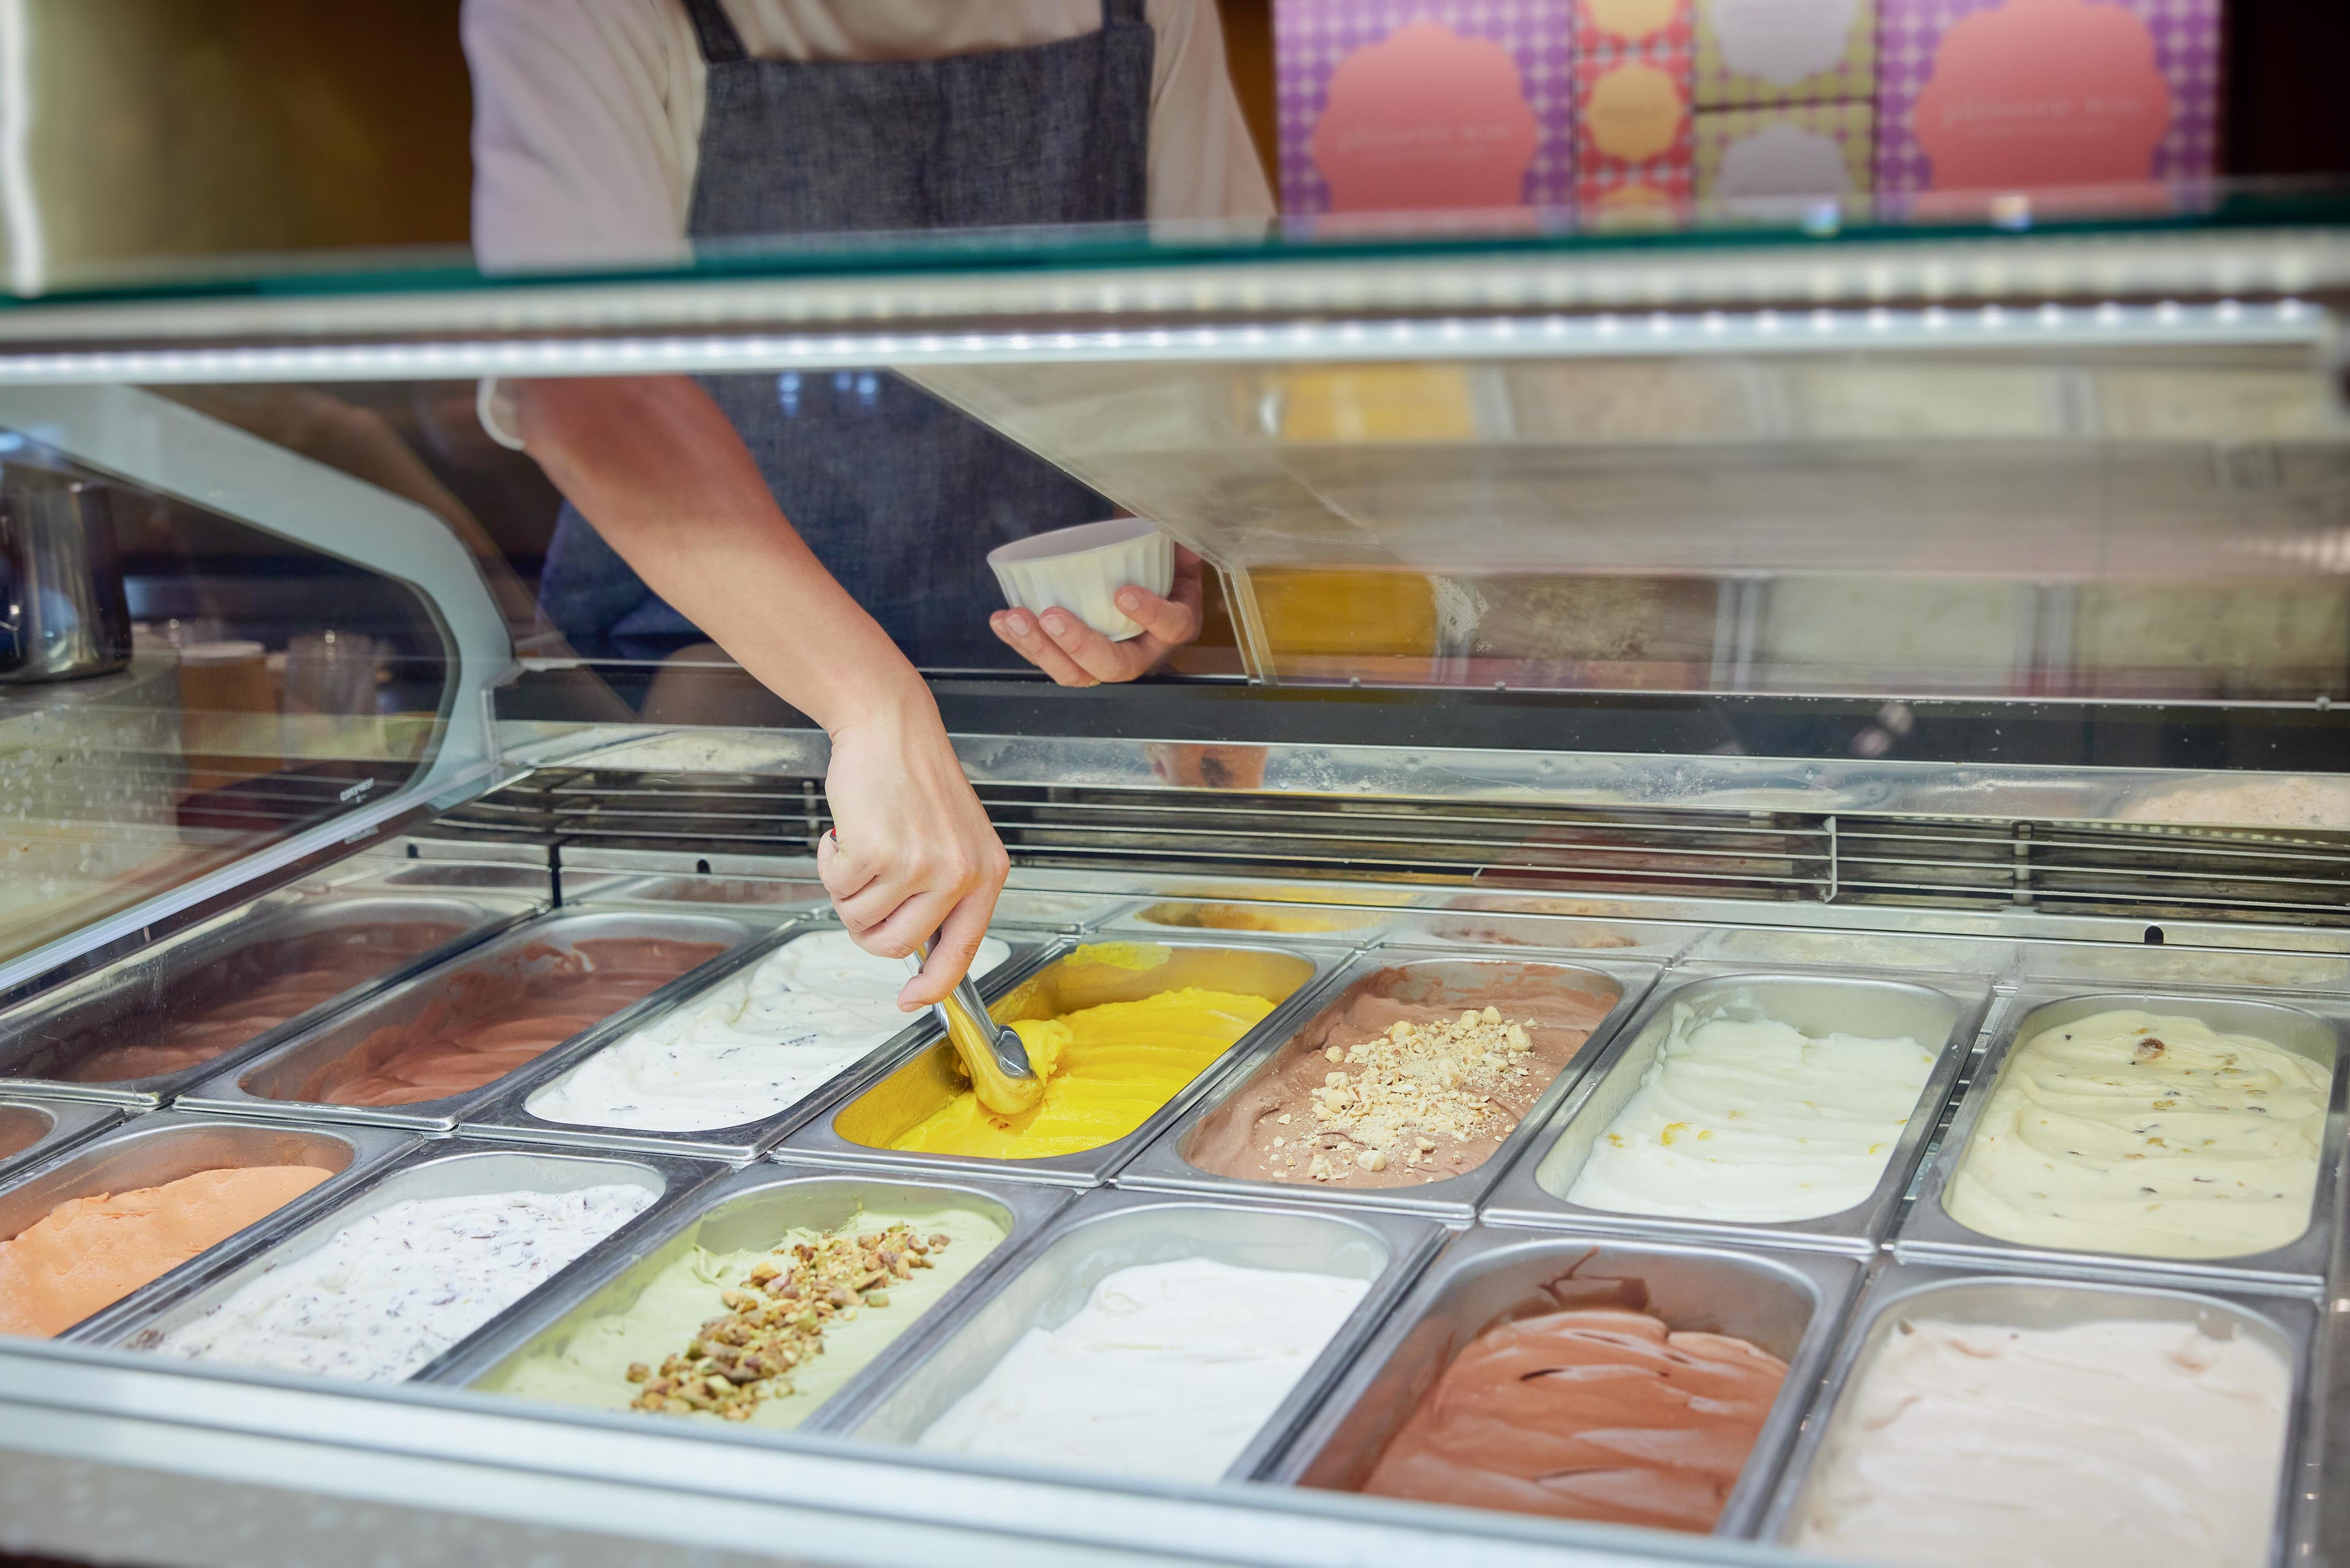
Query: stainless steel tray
{"type": "Point", "coordinates": [32, 1130]}
{"type": "Point", "coordinates": [2105, 966]}
{"type": "Point", "coordinates": [508, 1114]}
{"type": "Point", "coordinates": [1106, 1231]}
{"type": "Point", "coordinates": [437, 1167]}
{"type": "Point", "coordinates": [1456, 977]}
{"type": "Point", "coordinates": [263, 1085]}
{"type": "Point", "coordinates": [1903, 1291]}
{"type": "Point", "coordinates": [898, 1088]}
{"type": "Point", "coordinates": [1533, 922]}
{"type": "Point", "coordinates": [200, 966]}
{"type": "Point", "coordinates": [1307, 913]}
{"type": "Point", "coordinates": [743, 1209]}
{"type": "Point", "coordinates": [1790, 1304]}
{"type": "Point", "coordinates": [165, 1145]}
{"type": "Point", "coordinates": [1911, 952]}
{"type": "Point", "coordinates": [1532, 1192]}
{"type": "Point", "coordinates": [2309, 1026]}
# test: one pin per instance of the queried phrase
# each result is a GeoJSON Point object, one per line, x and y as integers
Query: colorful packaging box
{"type": "Point", "coordinates": [1754, 52]}
{"type": "Point", "coordinates": [2013, 95]}
{"type": "Point", "coordinates": [1611, 30]}
{"type": "Point", "coordinates": [1769, 156]}
{"type": "Point", "coordinates": [1420, 107]}
{"type": "Point", "coordinates": [1633, 128]}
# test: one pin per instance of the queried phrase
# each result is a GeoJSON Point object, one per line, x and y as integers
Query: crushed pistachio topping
{"type": "Point", "coordinates": [777, 1319]}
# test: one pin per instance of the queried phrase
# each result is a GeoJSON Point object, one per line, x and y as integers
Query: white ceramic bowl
{"type": "Point", "coordinates": [1077, 569]}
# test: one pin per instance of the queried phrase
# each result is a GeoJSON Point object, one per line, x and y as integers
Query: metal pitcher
{"type": "Point", "coordinates": [63, 612]}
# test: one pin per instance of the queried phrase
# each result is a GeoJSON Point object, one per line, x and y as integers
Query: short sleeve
{"type": "Point", "coordinates": [584, 123]}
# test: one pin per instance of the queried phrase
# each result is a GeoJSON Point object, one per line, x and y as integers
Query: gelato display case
{"type": "Point", "coordinates": [1762, 818]}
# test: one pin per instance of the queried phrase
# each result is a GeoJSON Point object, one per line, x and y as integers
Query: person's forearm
{"type": "Point", "coordinates": [655, 466]}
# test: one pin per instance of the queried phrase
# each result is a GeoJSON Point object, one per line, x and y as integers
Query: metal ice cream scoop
{"type": "Point", "coordinates": [1001, 1075]}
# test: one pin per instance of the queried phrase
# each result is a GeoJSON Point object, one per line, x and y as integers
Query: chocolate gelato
{"type": "Point", "coordinates": [1599, 1413]}
{"type": "Point", "coordinates": [1415, 1074]}
{"type": "Point", "coordinates": [248, 992]}
{"type": "Point", "coordinates": [486, 1021]}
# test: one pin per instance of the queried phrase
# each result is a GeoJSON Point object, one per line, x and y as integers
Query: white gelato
{"type": "Point", "coordinates": [1167, 1371]}
{"type": "Point", "coordinates": [1751, 1119]}
{"type": "Point", "coordinates": [389, 1292]}
{"type": "Point", "coordinates": [748, 1046]}
{"type": "Point", "coordinates": [2148, 1443]}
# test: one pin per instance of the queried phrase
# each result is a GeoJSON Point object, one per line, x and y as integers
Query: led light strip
{"type": "Point", "coordinates": [1602, 334]}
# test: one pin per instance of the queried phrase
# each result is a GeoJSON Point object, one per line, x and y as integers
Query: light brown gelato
{"type": "Point", "coordinates": [1600, 1413]}
{"type": "Point", "coordinates": [1406, 1079]}
{"type": "Point", "coordinates": [492, 1018]}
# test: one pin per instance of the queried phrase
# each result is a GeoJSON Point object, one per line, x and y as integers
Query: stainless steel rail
{"type": "Point", "coordinates": [2150, 872]}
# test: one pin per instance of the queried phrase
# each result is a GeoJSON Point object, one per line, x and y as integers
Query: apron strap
{"type": "Point", "coordinates": [721, 44]}
{"type": "Point", "coordinates": [1121, 14]}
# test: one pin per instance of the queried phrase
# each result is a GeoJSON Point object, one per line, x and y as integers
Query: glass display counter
{"type": "Point", "coordinates": [1918, 633]}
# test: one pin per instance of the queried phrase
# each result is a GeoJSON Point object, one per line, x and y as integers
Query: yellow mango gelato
{"type": "Point", "coordinates": [1105, 1069]}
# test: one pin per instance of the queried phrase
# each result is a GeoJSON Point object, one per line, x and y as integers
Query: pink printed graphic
{"type": "Point", "coordinates": [1425, 119]}
{"type": "Point", "coordinates": [1429, 123]}
{"type": "Point", "coordinates": [2040, 95]}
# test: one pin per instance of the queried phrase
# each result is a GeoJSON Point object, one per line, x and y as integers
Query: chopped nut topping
{"type": "Point", "coordinates": [732, 1363]}
{"type": "Point", "coordinates": [1411, 1089]}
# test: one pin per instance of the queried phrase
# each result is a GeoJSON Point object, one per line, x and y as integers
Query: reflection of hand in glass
{"type": "Point", "coordinates": [1075, 654]}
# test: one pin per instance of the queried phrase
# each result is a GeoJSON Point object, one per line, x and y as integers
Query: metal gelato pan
{"type": "Point", "coordinates": [2313, 1030]}
{"type": "Point", "coordinates": [1107, 1231]}
{"type": "Point", "coordinates": [276, 1082]}
{"type": "Point", "coordinates": [435, 1168]}
{"type": "Point", "coordinates": [145, 1001]}
{"type": "Point", "coordinates": [1942, 1018]}
{"type": "Point", "coordinates": [32, 1130]}
{"type": "Point", "coordinates": [1790, 1304]}
{"type": "Point", "coordinates": [900, 1089]}
{"type": "Point", "coordinates": [165, 1146]}
{"type": "Point", "coordinates": [509, 1113]}
{"type": "Point", "coordinates": [1902, 1293]}
{"type": "Point", "coordinates": [1451, 980]}
{"type": "Point", "coordinates": [745, 1210]}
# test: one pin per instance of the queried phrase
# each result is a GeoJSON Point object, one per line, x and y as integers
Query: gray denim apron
{"type": "Point", "coordinates": [899, 496]}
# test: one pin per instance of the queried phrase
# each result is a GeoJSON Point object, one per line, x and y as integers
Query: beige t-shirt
{"type": "Point", "coordinates": [589, 113]}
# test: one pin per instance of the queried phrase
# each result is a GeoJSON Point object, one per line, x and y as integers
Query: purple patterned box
{"type": "Point", "coordinates": [1405, 105]}
{"type": "Point", "coordinates": [2019, 95]}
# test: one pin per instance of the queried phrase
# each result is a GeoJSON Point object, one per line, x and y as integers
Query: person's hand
{"type": "Point", "coordinates": [1075, 654]}
{"type": "Point", "coordinates": [911, 851]}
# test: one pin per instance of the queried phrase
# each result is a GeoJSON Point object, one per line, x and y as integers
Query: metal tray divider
{"type": "Point", "coordinates": [91, 990]}
{"type": "Point", "coordinates": [224, 1092]}
{"type": "Point", "coordinates": [1411, 1240]}
{"type": "Point", "coordinates": [1835, 1280]}
{"type": "Point", "coordinates": [1893, 1283]}
{"type": "Point", "coordinates": [815, 1141]}
{"type": "Point", "coordinates": [1929, 1235]}
{"type": "Point", "coordinates": [117, 1324]}
{"type": "Point", "coordinates": [1159, 1166]}
{"type": "Point", "coordinates": [1519, 1197]}
{"type": "Point", "coordinates": [372, 1149]}
{"type": "Point", "coordinates": [71, 1122]}
{"type": "Point", "coordinates": [1033, 1207]}
{"type": "Point", "coordinates": [509, 1115]}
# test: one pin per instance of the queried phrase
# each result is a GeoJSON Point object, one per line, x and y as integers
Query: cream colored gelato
{"type": "Point", "coordinates": [748, 1046]}
{"type": "Point", "coordinates": [1748, 1118]}
{"type": "Point", "coordinates": [2131, 1132]}
{"type": "Point", "coordinates": [2146, 1443]}
{"type": "Point", "coordinates": [1167, 1371]}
